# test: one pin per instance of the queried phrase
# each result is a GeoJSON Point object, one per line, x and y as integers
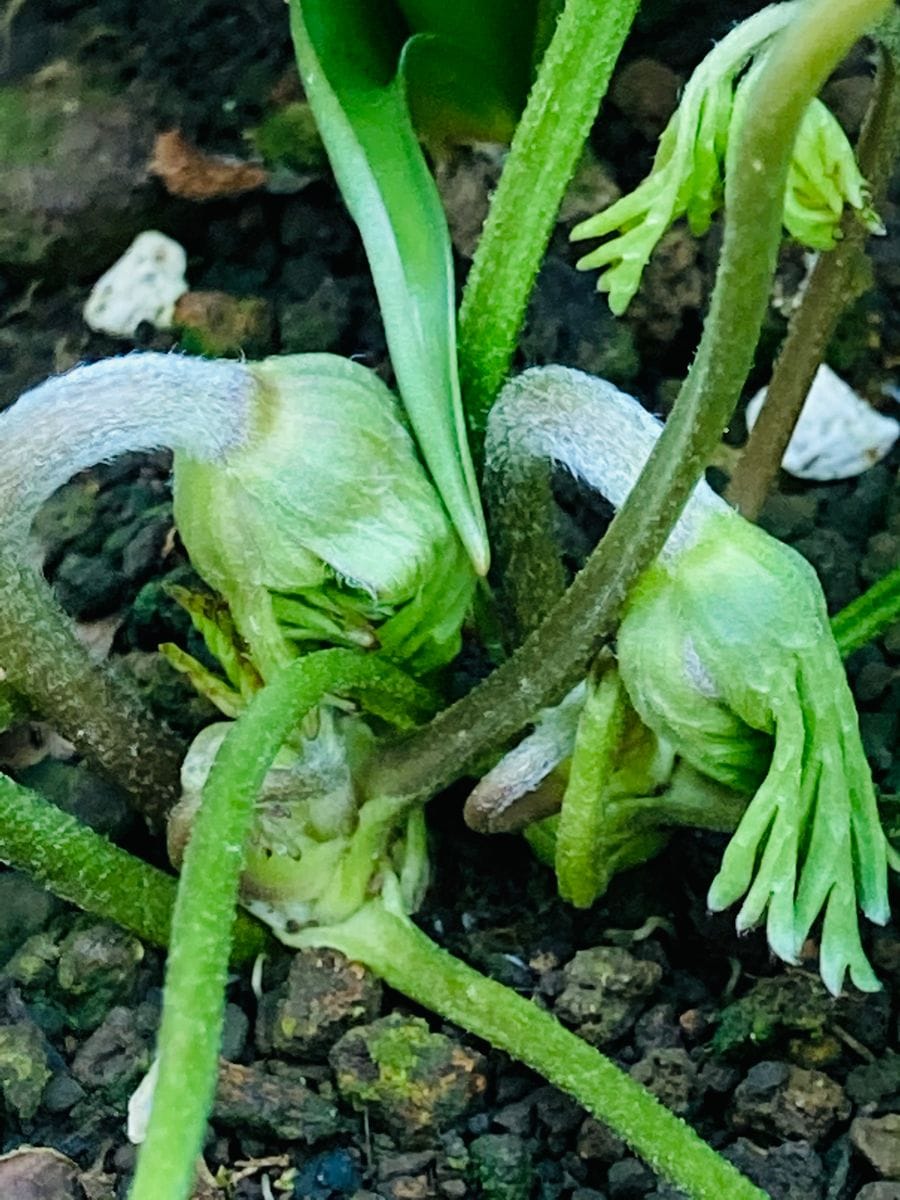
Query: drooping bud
{"type": "Point", "coordinates": [730, 657]}
{"type": "Point", "coordinates": [323, 527]}
{"type": "Point", "coordinates": [726, 654]}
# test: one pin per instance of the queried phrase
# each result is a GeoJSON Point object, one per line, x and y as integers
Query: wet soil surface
{"type": "Point", "coordinates": [801, 1091]}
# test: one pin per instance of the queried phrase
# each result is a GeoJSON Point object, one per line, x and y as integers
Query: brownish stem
{"type": "Point", "coordinates": [837, 279]}
{"type": "Point", "coordinates": [98, 709]}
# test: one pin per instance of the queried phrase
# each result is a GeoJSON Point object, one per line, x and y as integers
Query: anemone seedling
{"type": "Point", "coordinates": [329, 861]}
{"type": "Point", "coordinates": [311, 801]}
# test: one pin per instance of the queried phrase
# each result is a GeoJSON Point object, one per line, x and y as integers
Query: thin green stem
{"type": "Point", "coordinates": [191, 1027]}
{"type": "Point", "coordinates": [837, 279]}
{"type": "Point", "coordinates": [571, 82]}
{"type": "Point", "coordinates": [557, 654]}
{"type": "Point", "coordinates": [84, 868]}
{"type": "Point", "coordinates": [410, 962]}
{"type": "Point", "coordinates": [867, 617]}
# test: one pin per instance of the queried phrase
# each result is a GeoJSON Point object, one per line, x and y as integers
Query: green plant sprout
{"type": "Point", "coordinates": [687, 179]}
{"type": "Point", "coordinates": [725, 654]}
{"type": "Point", "coordinates": [310, 800]}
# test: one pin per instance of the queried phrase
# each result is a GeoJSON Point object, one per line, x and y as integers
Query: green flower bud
{"type": "Point", "coordinates": [823, 179]}
{"type": "Point", "coordinates": [323, 526]}
{"type": "Point", "coordinates": [728, 654]}
{"type": "Point", "coordinates": [687, 179]}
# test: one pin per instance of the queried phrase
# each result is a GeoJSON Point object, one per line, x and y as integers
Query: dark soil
{"type": "Point", "coordinates": [801, 1091]}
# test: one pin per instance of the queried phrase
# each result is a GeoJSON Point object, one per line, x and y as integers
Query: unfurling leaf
{"type": "Point", "coordinates": [349, 58]}
{"type": "Point", "coordinates": [688, 174]}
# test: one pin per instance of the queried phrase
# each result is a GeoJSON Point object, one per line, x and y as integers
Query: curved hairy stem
{"type": "Point", "coordinates": [571, 82]}
{"type": "Point", "coordinates": [557, 654]}
{"type": "Point", "coordinates": [556, 416]}
{"type": "Point", "coordinates": [94, 413]}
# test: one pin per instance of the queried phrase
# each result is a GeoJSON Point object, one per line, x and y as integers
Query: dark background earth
{"type": "Point", "coordinates": [801, 1091]}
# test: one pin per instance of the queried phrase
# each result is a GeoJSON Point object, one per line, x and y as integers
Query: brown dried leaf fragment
{"type": "Point", "coordinates": [190, 173]}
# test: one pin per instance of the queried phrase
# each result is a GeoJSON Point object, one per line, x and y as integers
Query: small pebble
{"type": "Point", "coordinates": [114, 1057]}
{"type": "Point", "coordinates": [882, 1190]}
{"type": "Point", "coordinates": [629, 1179]}
{"type": "Point", "coordinates": [500, 1163]}
{"type": "Point", "coordinates": [671, 1076]}
{"type": "Point", "coordinates": [142, 285]}
{"type": "Point", "coordinates": [782, 1100]}
{"type": "Point", "coordinates": [646, 91]}
{"type": "Point", "coordinates": [557, 1111]}
{"type": "Point", "coordinates": [24, 1068]}
{"type": "Point", "coordinates": [331, 1173]}
{"type": "Point", "coordinates": [871, 1083]}
{"type": "Point", "coordinates": [218, 325]}
{"type": "Point", "coordinates": [657, 1029]}
{"type": "Point", "coordinates": [273, 1105]}
{"type": "Point", "coordinates": [878, 1141]}
{"type": "Point", "coordinates": [62, 1093]}
{"type": "Point", "coordinates": [412, 1081]}
{"type": "Point", "coordinates": [324, 996]}
{"type": "Point", "coordinates": [97, 969]}
{"type": "Point", "coordinates": [606, 989]}
{"type": "Point", "coordinates": [597, 1142]}
{"type": "Point", "coordinates": [38, 1173]}
{"type": "Point", "coordinates": [791, 1171]}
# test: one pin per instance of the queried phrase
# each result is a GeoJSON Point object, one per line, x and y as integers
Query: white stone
{"type": "Point", "coordinates": [140, 1104]}
{"type": "Point", "coordinates": [142, 286]}
{"type": "Point", "coordinates": [838, 435]}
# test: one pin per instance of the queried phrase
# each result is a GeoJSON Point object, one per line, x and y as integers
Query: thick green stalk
{"type": "Point", "coordinates": [83, 867]}
{"type": "Point", "coordinates": [571, 82]}
{"type": "Point", "coordinates": [867, 617]}
{"type": "Point", "coordinates": [97, 708]}
{"type": "Point", "coordinates": [409, 961]}
{"type": "Point", "coordinates": [837, 279]}
{"type": "Point", "coordinates": [191, 1027]}
{"type": "Point", "coordinates": [557, 654]}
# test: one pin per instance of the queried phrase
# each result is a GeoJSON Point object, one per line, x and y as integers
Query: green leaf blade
{"type": "Point", "coordinates": [348, 55]}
